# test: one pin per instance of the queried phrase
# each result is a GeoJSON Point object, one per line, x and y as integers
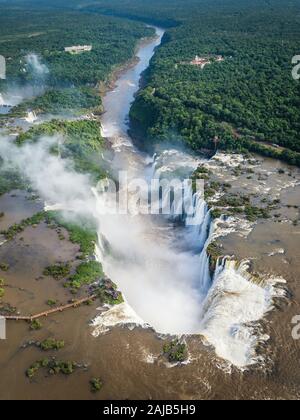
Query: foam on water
{"type": "Point", "coordinates": [160, 283]}
{"type": "Point", "coordinates": [167, 285]}
{"type": "Point", "coordinates": [117, 316]}
{"type": "Point", "coordinates": [173, 291]}
{"type": "Point", "coordinates": [231, 311]}
{"type": "Point", "coordinates": [31, 117]}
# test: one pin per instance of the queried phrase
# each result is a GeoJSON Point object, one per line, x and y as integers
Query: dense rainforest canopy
{"type": "Point", "coordinates": [47, 32]}
{"type": "Point", "coordinates": [249, 101]}
{"type": "Point", "coordinates": [113, 41]}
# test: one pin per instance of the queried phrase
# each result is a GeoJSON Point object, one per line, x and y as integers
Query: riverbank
{"type": "Point", "coordinates": [253, 201]}
{"type": "Point", "coordinates": [160, 277]}
{"type": "Point", "coordinates": [110, 83]}
{"type": "Point", "coordinates": [28, 289]}
{"type": "Point", "coordinates": [124, 148]}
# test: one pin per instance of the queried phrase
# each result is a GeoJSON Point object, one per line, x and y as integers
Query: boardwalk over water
{"type": "Point", "coordinates": [30, 318]}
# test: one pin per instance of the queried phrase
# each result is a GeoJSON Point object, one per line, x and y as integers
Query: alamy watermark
{"type": "Point", "coordinates": [2, 67]}
{"type": "Point", "coordinates": [170, 197]}
{"type": "Point", "coordinates": [296, 329]}
{"type": "Point", "coordinates": [2, 328]}
{"type": "Point", "coordinates": [296, 68]}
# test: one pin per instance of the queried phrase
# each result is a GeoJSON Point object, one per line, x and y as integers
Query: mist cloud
{"type": "Point", "coordinates": [53, 178]}
{"type": "Point", "coordinates": [17, 92]}
{"type": "Point", "coordinates": [159, 282]}
{"type": "Point", "coordinates": [35, 67]}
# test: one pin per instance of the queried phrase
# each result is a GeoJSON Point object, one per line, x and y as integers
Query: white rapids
{"type": "Point", "coordinates": [162, 268]}
{"type": "Point", "coordinates": [164, 272]}
{"type": "Point", "coordinates": [31, 117]}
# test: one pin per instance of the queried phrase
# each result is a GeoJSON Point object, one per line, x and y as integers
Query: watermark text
{"type": "Point", "coordinates": [2, 67]}
{"type": "Point", "coordinates": [296, 68]}
{"type": "Point", "coordinates": [296, 329]}
{"type": "Point", "coordinates": [2, 328]}
{"type": "Point", "coordinates": [170, 197]}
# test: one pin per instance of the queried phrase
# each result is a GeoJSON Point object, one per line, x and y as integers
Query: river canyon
{"type": "Point", "coordinates": [234, 318]}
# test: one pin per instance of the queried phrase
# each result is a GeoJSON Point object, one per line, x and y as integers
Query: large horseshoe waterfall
{"type": "Point", "coordinates": [163, 269]}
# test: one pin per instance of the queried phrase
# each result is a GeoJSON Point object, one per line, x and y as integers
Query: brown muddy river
{"type": "Point", "coordinates": [130, 361]}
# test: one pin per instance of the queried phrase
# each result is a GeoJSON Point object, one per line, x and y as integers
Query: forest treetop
{"type": "Point", "coordinates": [247, 102]}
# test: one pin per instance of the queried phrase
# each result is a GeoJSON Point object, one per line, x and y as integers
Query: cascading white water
{"type": "Point", "coordinates": [162, 282]}
{"type": "Point", "coordinates": [232, 309]}
{"type": "Point", "coordinates": [172, 290]}
{"type": "Point", "coordinates": [150, 271]}
{"type": "Point", "coordinates": [31, 117]}
{"type": "Point", "coordinates": [163, 271]}
{"type": "Point", "coordinates": [205, 277]}
{"type": "Point", "coordinates": [199, 226]}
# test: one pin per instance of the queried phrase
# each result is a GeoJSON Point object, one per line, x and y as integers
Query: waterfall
{"type": "Point", "coordinates": [199, 227]}
{"type": "Point", "coordinates": [164, 270]}
{"type": "Point", "coordinates": [199, 232]}
{"type": "Point", "coordinates": [207, 231]}
{"type": "Point", "coordinates": [234, 305]}
{"type": "Point", "coordinates": [219, 268]}
{"type": "Point", "coordinates": [31, 117]}
{"type": "Point", "coordinates": [182, 295]}
{"type": "Point", "coordinates": [234, 301]}
{"type": "Point", "coordinates": [195, 222]}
